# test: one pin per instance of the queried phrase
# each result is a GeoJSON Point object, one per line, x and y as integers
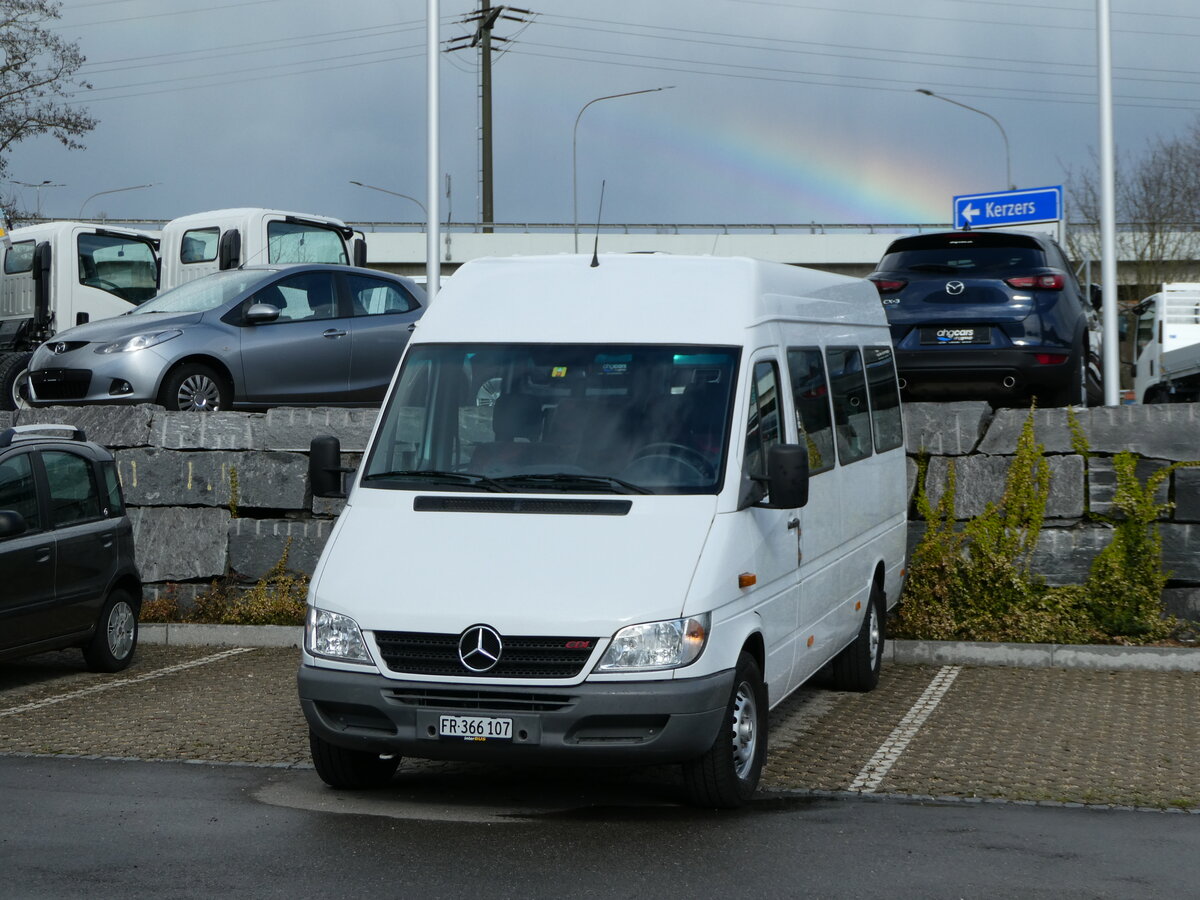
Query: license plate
{"type": "Point", "coordinates": [475, 728]}
{"type": "Point", "coordinates": [955, 335]}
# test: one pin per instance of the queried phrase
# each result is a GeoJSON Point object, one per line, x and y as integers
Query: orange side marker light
{"type": "Point", "coordinates": [747, 579]}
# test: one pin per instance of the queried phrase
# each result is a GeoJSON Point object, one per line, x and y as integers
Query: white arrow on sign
{"type": "Point", "coordinates": [970, 212]}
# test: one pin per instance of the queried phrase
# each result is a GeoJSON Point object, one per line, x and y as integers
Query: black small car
{"type": "Point", "coordinates": [990, 315]}
{"type": "Point", "coordinates": [67, 568]}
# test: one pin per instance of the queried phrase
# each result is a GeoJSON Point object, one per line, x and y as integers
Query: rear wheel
{"type": "Point", "coordinates": [112, 645]}
{"type": "Point", "coordinates": [347, 769]}
{"type": "Point", "coordinates": [14, 380]}
{"type": "Point", "coordinates": [857, 667]}
{"type": "Point", "coordinates": [726, 775]}
{"type": "Point", "coordinates": [194, 387]}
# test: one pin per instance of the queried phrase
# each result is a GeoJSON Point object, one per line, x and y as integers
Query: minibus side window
{"type": "Point", "coordinates": [810, 394]}
{"type": "Point", "coordinates": [851, 415]}
{"type": "Point", "coordinates": [885, 398]}
{"type": "Point", "coordinates": [763, 423]}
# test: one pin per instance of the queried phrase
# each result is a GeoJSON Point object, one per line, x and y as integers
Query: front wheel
{"type": "Point", "coordinates": [727, 774]}
{"type": "Point", "coordinates": [115, 638]}
{"type": "Point", "coordinates": [194, 387]}
{"type": "Point", "coordinates": [14, 381]}
{"type": "Point", "coordinates": [350, 769]}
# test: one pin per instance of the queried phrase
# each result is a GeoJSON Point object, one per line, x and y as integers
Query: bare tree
{"type": "Point", "coordinates": [38, 76]}
{"type": "Point", "coordinates": [1157, 196]}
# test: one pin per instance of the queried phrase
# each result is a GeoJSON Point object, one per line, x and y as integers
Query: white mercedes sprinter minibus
{"type": "Point", "coordinates": [610, 513]}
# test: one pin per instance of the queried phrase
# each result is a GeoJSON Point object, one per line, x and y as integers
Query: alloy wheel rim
{"type": "Point", "coordinates": [874, 635]}
{"type": "Point", "coordinates": [121, 625]}
{"type": "Point", "coordinates": [745, 730]}
{"type": "Point", "coordinates": [200, 393]}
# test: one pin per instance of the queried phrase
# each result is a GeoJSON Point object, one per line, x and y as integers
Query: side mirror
{"type": "Point", "coordinates": [258, 313]}
{"type": "Point", "coordinates": [325, 469]}
{"type": "Point", "coordinates": [11, 523]}
{"type": "Point", "coordinates": [229, 249]}
{"type": "Point", "coordinates": [787, 477]}
{"type": "Point", "coordinates": [1096, 295]}
{"type": "Point", "coordinates": [359, 252]}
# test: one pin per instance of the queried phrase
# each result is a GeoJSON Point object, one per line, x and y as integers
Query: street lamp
{"type": "Point", "coordinates": [1007, 156]}
{"type": "Point", "coordinates": [372, 187]}
{"type": "Point", "coordinates": [135, 187]}
{"type": "Point", "coordinates": [39, 186]}
{"type": "Point", "coordinates": [574, 135]}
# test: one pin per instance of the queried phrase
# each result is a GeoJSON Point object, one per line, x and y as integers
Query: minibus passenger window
{"type": "Point", "coordinates": [762, 424]}
{"type": "Point", "coordinates": [885, 398]}
{"type": "Point", "coordinates": [851, 415]}
{"type": "Point", "coordinates": [810, 394]}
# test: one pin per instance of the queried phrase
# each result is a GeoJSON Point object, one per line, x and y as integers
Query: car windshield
{"type": "Point", "coordinates": [575, 418]}
{"type": "Point", "coordinates": [982, 255]}
{"type": "Point", "coordinates": [205, 293]}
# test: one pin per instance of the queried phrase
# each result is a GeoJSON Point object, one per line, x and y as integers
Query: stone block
{"type": "Point", "coordinates": [912, 470]}
{"type": "Point", "coordinates": [1181, 552]}
{"type": "Point", "coordinates": [176, 544]}
{"type": "Point", "coordinates": [152, 477]}
{"type": "Point", "coordinates": [1064, 555]}
{"type": "Point", "coordinates": [110, 426]}
{"type": "Point", "coordinates": [176, 430]}
{"type": "Point", "coordinates": [7, 419]}
{"type": "Point", "coordinates": [1102, 483]}
{"type": "Point", "coordinates": [1184, 603]}
{"type": "Point", "coordinates": [288, 428]}
{"type": "Point", "coordinates": [1160, 431]}
{"type": "Point", "coordinates": [1187, 495]}
{"type": "Point", "coordinates": [257, 545]}
{"type": "Point", "coordinates": [980, 480]}
{"type": "Point", "coordinates": [945, 429]}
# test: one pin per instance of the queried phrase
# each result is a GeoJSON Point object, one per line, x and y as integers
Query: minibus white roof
{"type": "Point", "coordinates": [640, 298]}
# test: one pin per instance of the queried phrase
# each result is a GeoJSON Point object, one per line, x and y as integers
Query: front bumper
{"type": "Point", "coordinates": [83, 376]}
{"type": "Point", "coordinates": [590, 723]}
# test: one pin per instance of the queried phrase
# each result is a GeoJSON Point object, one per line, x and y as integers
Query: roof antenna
{"type": "Point", "coordinates": [596, 246]}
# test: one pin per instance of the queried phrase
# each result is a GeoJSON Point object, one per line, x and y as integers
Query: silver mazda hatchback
{"type": "Point", "coordinates": [259, 336]}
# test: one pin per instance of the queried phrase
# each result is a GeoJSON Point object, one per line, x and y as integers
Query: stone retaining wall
{"type": "Point", "coordinates": [223, 493]}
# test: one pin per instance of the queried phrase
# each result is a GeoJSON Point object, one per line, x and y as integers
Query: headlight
{"type": "Point", "coordinates": [334, 635]}
{"type": "Point", "coordinates": [138, 342]}
{"type": "Point", "coordinates": [657, 645]}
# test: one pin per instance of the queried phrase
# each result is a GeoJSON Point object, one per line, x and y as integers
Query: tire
{"type": "Point", "coordinates": [350, 769]}
{"type": "Point", "coordinates": [726, 776]}
{"type": "Point", "coordinates": [115, 639]}
{"type": "Point", "coordinates": [14, 380]}
{"type": "Point", "coordinates": [194, 387]}
{"type": "Point", "coordinates": [857, 667]}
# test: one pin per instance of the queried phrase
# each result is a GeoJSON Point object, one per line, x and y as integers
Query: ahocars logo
{"type": "Point", "coordinates": [955, 335]}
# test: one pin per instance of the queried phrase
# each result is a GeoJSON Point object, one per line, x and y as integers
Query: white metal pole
{"type": "Point", "coordinates": [433, 264]}
{"type": "Point", "coordinates": [1108, 215]}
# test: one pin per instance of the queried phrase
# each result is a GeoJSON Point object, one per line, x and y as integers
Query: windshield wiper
{"type": "Point", "coordinates": [569, 479]}
{"type": "Point", "coordinates": [437, 476]}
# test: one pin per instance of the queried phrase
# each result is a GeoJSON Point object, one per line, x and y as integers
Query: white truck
{"type": "Point", "coordinates": [1166, 353]}
{"type": "Point", "coordinates": [60, 274]}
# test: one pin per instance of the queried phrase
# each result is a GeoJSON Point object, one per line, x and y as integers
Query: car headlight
{"type": "Point", "coordinates": [138, 342]}
{"type": "Point", "coordinates": [334, 635]}
{"type": "Point", "coordinates": [657, 645]}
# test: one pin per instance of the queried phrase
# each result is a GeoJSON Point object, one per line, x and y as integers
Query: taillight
{"type": "Point", "coordinates": [1037, 282]}
{"type": "Point", "coordinates": [1051, 359]}
{"type": "Point", "coordinates": [889, 285]}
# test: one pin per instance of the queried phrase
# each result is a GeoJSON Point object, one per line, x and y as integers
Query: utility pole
{"type": "Point", "coordinates": [482, 37]}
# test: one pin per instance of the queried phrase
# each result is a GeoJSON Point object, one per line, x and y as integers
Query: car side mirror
{"type": "Point", "coordinates": [326, 474]}
{"type": "Point", "coordinates": [1096, 295]}
{"type": "Point", "coordinates": [786, 483]}
{"type": "Point", "coordinates": [12, 523]}
{"type": "Point", "coordinates": [260, 313]}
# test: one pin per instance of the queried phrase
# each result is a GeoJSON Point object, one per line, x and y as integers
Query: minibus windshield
{"type": "Point", "coordinates": [557, 418]}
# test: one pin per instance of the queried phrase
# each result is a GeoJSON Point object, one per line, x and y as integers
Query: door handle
{"type": "Point", "coordinates": [793, 523]}
{"type": "Point", "coordinates": [333, 333]}
{"type": "Point", "coordinates": [43, 554]}
{"type": "Point", "coordinates": [412, 326]}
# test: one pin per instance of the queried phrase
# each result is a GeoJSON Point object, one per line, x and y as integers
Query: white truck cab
{"type": "Point", "coordinates": [207, 242]}
{"type": "Point", "coordinates": [611, 513]}
{"type": "Point", "coordinates": [1166, 353]}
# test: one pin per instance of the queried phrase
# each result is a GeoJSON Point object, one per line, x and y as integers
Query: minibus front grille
{"type": "Point", "coordinates": [492, 701]}
{"type": "Point", "coordinates": [529, 505]}
{"type": "Point", "coordinates": [421, 653]}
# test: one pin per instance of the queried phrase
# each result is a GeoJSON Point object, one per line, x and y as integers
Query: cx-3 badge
{"type": "Point", "coordinates": [954, 287]}
{"type": "Point", "coordinates": [479, 648]}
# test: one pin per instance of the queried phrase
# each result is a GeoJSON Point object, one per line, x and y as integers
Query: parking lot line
{"type": "Point", "coordinates": [868, 780]}
{"type": "Point", "coordinates": [109, 685]}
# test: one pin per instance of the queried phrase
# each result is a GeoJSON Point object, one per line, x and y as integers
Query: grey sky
{"type": "Point", "coordinates": [782, 111]}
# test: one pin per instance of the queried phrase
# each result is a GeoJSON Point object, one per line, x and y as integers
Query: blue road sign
{"type": "Point", "coordinates": [1008, 207]}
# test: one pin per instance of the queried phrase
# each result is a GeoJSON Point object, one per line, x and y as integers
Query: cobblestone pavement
{"type": "Point", "coordinates": [1029, 735]}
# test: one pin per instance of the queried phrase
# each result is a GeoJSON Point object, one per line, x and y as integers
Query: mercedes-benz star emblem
{"type": "Point", "coordinates": [479, 648]}
{"type": "Point", "coordinates": [954, 287]}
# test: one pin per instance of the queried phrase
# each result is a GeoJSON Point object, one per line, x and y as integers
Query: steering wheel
{"type": "Point", "coordinates": [103, 283]}
{"type": "Point", "coordinates": [681, 453]}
